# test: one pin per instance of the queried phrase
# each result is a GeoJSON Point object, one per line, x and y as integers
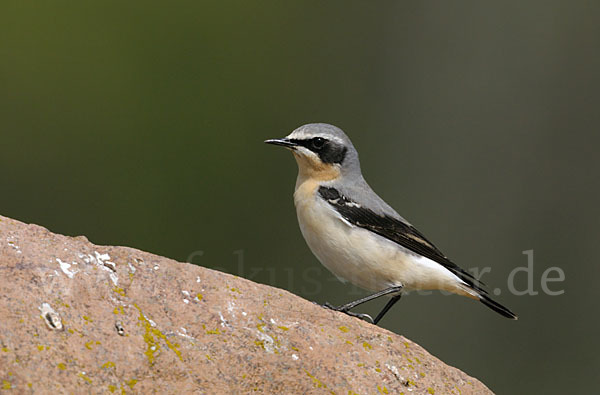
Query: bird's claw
{"type": "Point", "coordinates": [364, 317]}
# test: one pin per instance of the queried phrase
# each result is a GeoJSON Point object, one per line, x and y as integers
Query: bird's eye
{"type": "Point", "coordinates": [318, 142]}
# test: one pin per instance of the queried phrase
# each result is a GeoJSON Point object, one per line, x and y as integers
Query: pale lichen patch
{"type": "Point", "coordinates": [65, 266]}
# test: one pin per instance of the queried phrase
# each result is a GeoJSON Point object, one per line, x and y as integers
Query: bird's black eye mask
{"type": "Point", "coordinates": [328, 151]}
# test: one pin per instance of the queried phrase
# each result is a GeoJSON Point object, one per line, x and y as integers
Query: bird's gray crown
{"type": "Point", "coordinates": [330, 143]}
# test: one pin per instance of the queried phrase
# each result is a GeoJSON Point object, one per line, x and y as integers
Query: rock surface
{"type": "Point", "coordinates": [81, 318]}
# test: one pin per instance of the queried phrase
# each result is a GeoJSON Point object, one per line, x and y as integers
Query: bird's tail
{"type": "Point", "coordinates": [474, 291]}
{"type": "Point", "coordinates": [497, 307]}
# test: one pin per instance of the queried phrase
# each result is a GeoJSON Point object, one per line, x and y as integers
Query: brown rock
{"type": "Point", "coordinates": [76, 317]}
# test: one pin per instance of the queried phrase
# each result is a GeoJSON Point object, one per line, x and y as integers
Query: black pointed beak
{"type": "Point", "coordinates": [282, 142]}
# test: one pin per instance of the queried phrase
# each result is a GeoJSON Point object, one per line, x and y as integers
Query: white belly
{"type": "Point", "coordinates": [364, 258]}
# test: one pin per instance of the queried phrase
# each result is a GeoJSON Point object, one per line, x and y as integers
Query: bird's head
{"type": "Point", "coordinates": [322, 151]}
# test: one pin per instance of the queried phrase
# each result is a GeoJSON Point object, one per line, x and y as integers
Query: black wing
{"type": "Point", "coordinates": [393, 229]}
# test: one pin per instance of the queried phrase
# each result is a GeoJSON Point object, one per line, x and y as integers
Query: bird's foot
{"type": "Point", "coordinates": [329, 306]}
{"type": "Point", "coordinates": [343, 309]}
{"type": "Point", "coordinates": [362, 316]}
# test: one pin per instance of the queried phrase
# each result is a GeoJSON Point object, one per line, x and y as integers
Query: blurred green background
{"type": "Point", "coordinates": [141, 124]}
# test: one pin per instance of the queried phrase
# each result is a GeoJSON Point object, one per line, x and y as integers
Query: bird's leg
{"type": "Point", "coordinates": [391, 290]}
{"type": "Point", "coordinates": [388, 306]}
{"type": "Point", "coordinates": [346, 307]}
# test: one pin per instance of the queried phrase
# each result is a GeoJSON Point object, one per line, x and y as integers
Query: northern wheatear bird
{"type": "Point", "coordinates": [358, 236]}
